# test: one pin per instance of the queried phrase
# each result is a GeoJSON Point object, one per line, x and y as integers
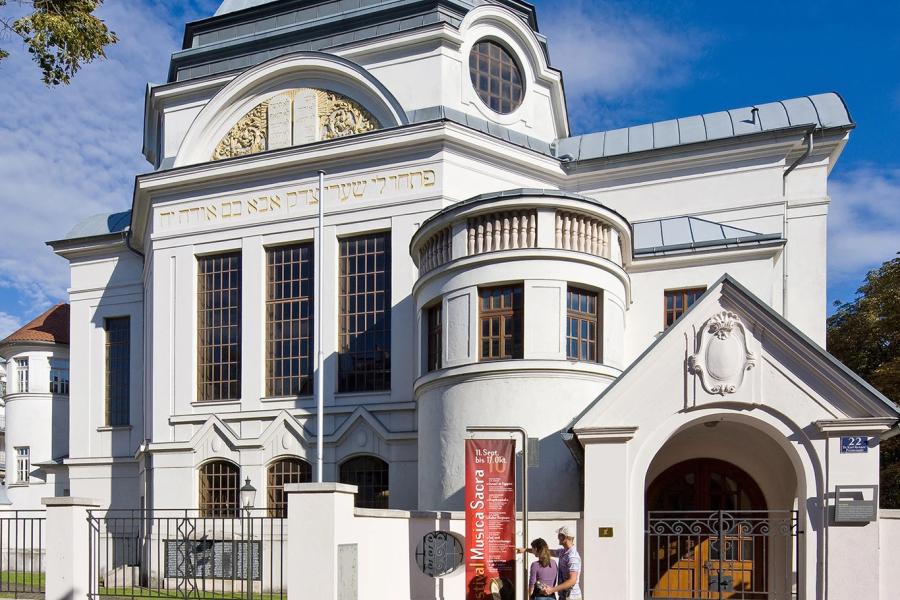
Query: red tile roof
{"type": "Point", "coordinates": [52, 326]}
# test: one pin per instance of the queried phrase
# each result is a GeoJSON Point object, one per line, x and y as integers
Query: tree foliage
{"type": "Point", "coordinates": [61, 36]}
{"type": "Point", "coordinates": [865, 336]}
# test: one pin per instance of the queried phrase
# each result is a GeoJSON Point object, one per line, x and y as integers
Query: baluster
{"type": "Point", "coordinates": [514, 232]}
{"type": "Point", "coordinates": [479, 246]}
{"type": "Point", "coordinates": [506, 243]}
{"type": "Point", "coordinates": [532, 230]}
{"type": "Point", "coordinates": [605, 252]}
{"type": "Point", "coordinates": [559, 234]}
{"type": "Point", "coordinates": [471, 245]}
{"type": "Point", "coordinates": [523, 230]}
{"type": "Point", "coordinates": [498, 225]}
{"type": "Point", "coordinates": [445, 254]}
{"type": "Point", "coordinates": [488, 234]}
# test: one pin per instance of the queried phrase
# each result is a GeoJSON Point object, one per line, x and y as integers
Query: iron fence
{"type": "Point", "coordinates": [183, 554]}
{"type": "Point", "coordinates": [747, 555]}
{"type": "Point", "coordinates": [22, 534]}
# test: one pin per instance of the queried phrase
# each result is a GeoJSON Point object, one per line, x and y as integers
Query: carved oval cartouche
{"type": "Point", "coordinates": [724, 357]}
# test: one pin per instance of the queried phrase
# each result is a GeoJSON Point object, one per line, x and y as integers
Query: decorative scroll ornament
{"type": "Point", "coordinates": [294, 117]}
{"type": "Point", "coordinates": [723, 354]}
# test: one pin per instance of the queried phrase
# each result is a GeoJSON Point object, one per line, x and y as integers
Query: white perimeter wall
{"type": "Point", "coordinates": [888, 551]}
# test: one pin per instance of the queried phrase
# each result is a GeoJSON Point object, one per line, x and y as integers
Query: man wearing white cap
{"type": "Point", "coordinates": [569, 566]}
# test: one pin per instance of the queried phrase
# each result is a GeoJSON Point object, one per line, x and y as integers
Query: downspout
{"type": "Point", "coordinates": [784, 224]}
{"type": "Point", "coordinates": [146, 441]}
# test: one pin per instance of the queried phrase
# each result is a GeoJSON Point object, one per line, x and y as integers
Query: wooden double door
{"type": "Point", "coordinates": [706, 524]}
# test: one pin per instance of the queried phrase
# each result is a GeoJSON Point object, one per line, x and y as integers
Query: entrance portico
{"type": "Point", "coordinates": [712, 459]}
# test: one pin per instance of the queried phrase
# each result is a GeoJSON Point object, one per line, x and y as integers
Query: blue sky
{"type": "Point", "coordinates": [72, 152]}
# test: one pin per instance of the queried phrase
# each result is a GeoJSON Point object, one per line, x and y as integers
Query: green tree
{"type": "Point", "coordinates": [865, 336]}
{"type": "Point", "coordinates": [61, 36]}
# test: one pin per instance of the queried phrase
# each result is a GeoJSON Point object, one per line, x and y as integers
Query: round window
{"type": "Point", "coordinates": [496, 77]}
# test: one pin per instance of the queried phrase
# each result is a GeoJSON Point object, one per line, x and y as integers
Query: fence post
{"type": "Point", "coordinates": [320, 516]}
{"type": "Point", "coordinates": [68, 535]}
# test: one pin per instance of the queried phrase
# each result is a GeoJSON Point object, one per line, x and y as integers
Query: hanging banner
{"type": "Point", "coordinates": [490, 519]}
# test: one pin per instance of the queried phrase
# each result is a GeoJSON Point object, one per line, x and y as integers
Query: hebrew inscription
{"type": "Point", "coordinates": [296, 200]}
{"type": "Point", "coordinates": [295, 117]}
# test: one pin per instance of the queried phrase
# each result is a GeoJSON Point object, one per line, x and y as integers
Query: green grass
{"type": "Point", "coordinates": [131, 592]}
{"type": "Point", "coordinates": [25, 579]}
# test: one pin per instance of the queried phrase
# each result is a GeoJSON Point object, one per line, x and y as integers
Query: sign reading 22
{"type": "Point", "coordinates": [852, 444]}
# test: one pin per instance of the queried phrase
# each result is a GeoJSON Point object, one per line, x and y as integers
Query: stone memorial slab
{"type": "Point", "coordinates": [306, 116]}
{"type": "Point", "coordinates": [279, 119]}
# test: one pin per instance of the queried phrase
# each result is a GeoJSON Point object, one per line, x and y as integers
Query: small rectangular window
{"type": "Point", "coordinates": [219, 327]}
{"type": "Point", "coordinates": [23, 464]}
{"type": "Point", "coordinates": [59, 376]}
{"type": "Point", "coordinates": [22, 375]}
{"type": "Point", "coordinates": [501, 317]}
{"type": "Point", "coordinates": [118, 371]}
{"type": "Point", "coordinates": [435, 337]}
{"type": "Point", "coordinates": [583, 338]}
{"type": "Point", "coordinates": [364, 349]}
{"type": "Point", "coordinates": [677, 302]}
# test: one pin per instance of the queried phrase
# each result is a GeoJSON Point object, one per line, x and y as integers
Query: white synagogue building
{"type": "Point", "coordinates": [649, 303]}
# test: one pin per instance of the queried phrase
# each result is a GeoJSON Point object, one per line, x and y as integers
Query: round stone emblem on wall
{"type": "Point", "coordinates": [361, 438]}
{"type": "Point", "coordinates": [439, 553]}
{"type": "Point", "coordinates": [287, 441]}
{"type": "Point", "coordinates": [215, 444]}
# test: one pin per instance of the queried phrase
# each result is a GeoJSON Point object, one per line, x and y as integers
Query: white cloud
{"type": "Point", "coordinates": [73, 151]}
{"type": "Point", "coordinates": [8, 324]}
{"type": "Point", "coordinates": [613, 61]}
{"type": "Point", "coordinates": [863, 222]}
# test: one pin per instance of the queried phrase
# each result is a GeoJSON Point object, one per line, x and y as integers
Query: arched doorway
{"type": "Point", "coordinates": [708, 532]}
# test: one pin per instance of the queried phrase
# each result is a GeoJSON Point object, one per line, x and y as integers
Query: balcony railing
{"type": "Point", "coordinates": [519, 220]}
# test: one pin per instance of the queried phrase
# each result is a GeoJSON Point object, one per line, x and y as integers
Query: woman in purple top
{"type": "Point", "coordinates": [543, 572]}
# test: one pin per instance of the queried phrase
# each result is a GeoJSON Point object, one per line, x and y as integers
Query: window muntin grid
{"type": "Point", "coordinates": [496, 77]}
{"type": "Point", "coordinates": [501, 328]}
{"type": "Point", "coordinates": [281, 472]}
{"type": "Point", "coordinates": [23, 464]}
{"type": "Point", "coordinates": [118, 371]}
{"type": "Point", "coordinates": [583, 325]}
{"type": "Point", "coordinates": [219, 327]}
{"type": "Point", "coordinates": [289, 320]}
{"type": "Point", "coordinates": [59, 376]}
{"type": "Point", "coordinates": [364, 360]}
{"type": "Point", "coordinates": [435, 337]}
{"type": "Point", "coordinates": [22, 375]}
{"type": "Point", "coordinates": [677, 302]}
{"type": "Point", "coordinates": [370, 475]}
{"type": "Point", "coordinates": [219, 489]}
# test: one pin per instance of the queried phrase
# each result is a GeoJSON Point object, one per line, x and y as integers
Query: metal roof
{"type": "Point", "coordinates": [228, 6]}
{"type": "Point", "coordinates": [821, 110]}
{"type": "Point", "coordinates": [100, 225]}
{"type": "Point", "coordinates": [690, 233]}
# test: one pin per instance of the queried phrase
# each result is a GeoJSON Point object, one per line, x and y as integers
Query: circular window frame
{"type": "Point", "coordinates": [517, 63]}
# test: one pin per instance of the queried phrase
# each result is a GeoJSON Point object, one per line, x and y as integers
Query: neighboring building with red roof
{"type": "Point", "coordinates": [36, 407]}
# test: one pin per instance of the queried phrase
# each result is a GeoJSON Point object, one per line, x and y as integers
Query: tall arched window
{"type": "Point", "coordinates": [370, 475]}
{"type": "Point", "coordinates": [285, 470]}
{"type": "Point", "coordinates": [219, 489]}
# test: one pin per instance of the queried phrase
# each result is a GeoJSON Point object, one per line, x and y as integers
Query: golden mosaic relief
{"type": "Point", "coordinates": [335, 116]}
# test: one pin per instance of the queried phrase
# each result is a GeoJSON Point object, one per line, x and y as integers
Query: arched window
{"type": "Point", "coordinates": [370, 475]}
{"type": "Point", "coordinates": [219, 489]}
{"type": "Point", "coordinates": [285, 470]}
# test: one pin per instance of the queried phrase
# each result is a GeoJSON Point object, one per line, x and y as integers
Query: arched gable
{"type": "Point", "coordinates": [290, 100]}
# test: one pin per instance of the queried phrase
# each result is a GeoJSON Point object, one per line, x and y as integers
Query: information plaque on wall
{"type": "Point", "coordinates": [212, 559]}
{"type": "Point", "coordinates": [855, 503]}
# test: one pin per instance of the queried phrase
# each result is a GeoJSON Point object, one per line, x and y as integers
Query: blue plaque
{"type": "Point", "coordinates": [854, 444]}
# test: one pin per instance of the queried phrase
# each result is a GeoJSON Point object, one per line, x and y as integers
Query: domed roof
{"type": "Point", "coordinates": [229, 6]}
{"type": "Point", "coordinates": [52, 327]}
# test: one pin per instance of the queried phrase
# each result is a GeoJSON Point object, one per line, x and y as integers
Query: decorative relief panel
{"type": "Point", "coordinates": [723, 354]}
{"type": "Point", "coordinates": [295, 117]}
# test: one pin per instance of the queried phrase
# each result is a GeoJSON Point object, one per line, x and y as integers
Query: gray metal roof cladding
{"type": "Point", "coordinates": [228, 6]}
{"type": "Point", "coordinates": [822, 110]}
{"type": "Point", "coordinates": [681, 233]}
{"type": "Point", "coordinates": [100, 225]}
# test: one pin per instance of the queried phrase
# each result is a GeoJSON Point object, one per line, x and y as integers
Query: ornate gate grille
{"type": "Point", "coordinates": [178, 554]}
{"type": "Point", "coordinates": [722, 554]}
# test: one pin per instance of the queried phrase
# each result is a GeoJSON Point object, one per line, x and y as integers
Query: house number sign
{"type": "Point", "coordinates": [854, 444]}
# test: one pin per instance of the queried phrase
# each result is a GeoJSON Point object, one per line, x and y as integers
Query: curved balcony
{"type": "Point", "coordinates": [521, 220]}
